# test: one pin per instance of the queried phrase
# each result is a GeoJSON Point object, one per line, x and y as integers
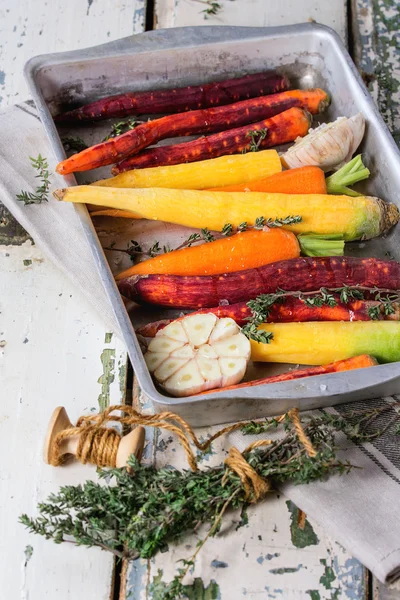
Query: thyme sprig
{"type": "Point", "coordinates": [74, 143]}
{"type": "Point", "coordinates": [256, 137]}
{"type": "Point", "coordinates": [134, 249]}
{"type": "Point", "coordinates": [40, 195]}
{"type": "Point", "coordinates": [213, 8]}
{"type": "Point", "coordinates": [205, 235]}
{"type": "Point", "coordinates": [387, 304]}
{"type": "Point", "coordinates": [122, 127]}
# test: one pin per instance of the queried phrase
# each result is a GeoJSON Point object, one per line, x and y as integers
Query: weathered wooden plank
{"type": "Point", "coordinates": [53, 351]}
{"type": "Point", "coordinates": [40, 27]}
{"type": "Point", "coordinates": [262, 13]}
{"type": "Point", "coordinates": [376, 36]}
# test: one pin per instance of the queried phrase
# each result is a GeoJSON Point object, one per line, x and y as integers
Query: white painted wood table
{"type": "Point", "coordinates": [54, 350]}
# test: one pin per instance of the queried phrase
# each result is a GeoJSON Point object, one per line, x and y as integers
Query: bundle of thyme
{"type": "Point", "coordinates": [142, 513]}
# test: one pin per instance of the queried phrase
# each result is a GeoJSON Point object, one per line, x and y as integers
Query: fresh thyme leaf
{"type": "Point", "coordinates": [41, 193]}
{"type": "Point", "coordinates": [321, 299]}
{"type": "Point", "coordinates": [257, 427]}
{"type": "Point", "coordinates": [261, 306]}
{"type": "Point", "coordinates": [290, 220]}
{"type": "Point", "coordinates": [347, 294]}
{"type": "Point", "coordinates": [194, 237]}
{"type": "Point", "coordinates": [388, 308]}
{"type": "Point", "coordinates": [374, 313]}
{"type": "Point", "coordinates": [259, 223]}
{"type": "Point", "coordinates": [227, 229]}
{"type": "Point", "coordinates": [122, 127]}
{"type": "Point", "coordinates": [135, 247]}
{"type": "Point", "coordinates": [256, 137]}
{"type": "Point", "coordinates": [213, 8]}
{"type": "Point", "coordinates": [242, 226]}
{"type": "Point", "coordinates": [74, 143]}
{"type": "Point", "coordinates": [264, 337]}
{"type": "Point", "coordinates": [207, 235]}
{"type": "Point", "coordinates": [262, 222]}
{"type": "Point", "coordinates": [154, 250]}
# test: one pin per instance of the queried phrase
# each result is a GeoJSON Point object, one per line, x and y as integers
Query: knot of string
{"type": "Point", "coordinates": [255, 487]}
{"type": "Point", "coordinates": [295, 418]}
{"type": "Point", "coordinates": [99, 445]}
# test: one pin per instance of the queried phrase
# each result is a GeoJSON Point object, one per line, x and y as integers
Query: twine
{"type": "Point", "coordinates": [99, 445]}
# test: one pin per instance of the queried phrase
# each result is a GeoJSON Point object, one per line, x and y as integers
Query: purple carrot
{"type": "Point", "coordinates": [176, 100]}
{"type": "Point", "coordinates": [297, 274]}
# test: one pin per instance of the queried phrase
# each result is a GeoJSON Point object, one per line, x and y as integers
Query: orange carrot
{"type": "Point", "coordinates": [357, 362]}
{"type": "Point", "coordinates": [252, 248]}
{"type": "Point", "coordinates": [305, 180]}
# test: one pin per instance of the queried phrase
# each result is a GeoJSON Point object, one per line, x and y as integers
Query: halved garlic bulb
{"type": "Point", "coordinates": [328, 146]}
{"type": "Point", "coordinates": [197, 353]}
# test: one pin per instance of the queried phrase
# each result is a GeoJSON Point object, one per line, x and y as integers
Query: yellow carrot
{"type": "Point", "coordinates": [225, 170]}
{"type": "Point", "coordinates": [363, 217]}
{"type": "Point", "coordinates": [318, 343]}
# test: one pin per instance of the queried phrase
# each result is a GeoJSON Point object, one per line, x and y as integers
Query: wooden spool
{"type": "Point", "coordinates": [132, 443]}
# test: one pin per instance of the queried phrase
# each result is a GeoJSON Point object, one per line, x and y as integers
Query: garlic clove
{"type": "Point", "coordinates": [225, 327]}
{"type": "Point", "coordinates": [236, 346]}
{"type": "Point", "coordinates": [164, 344]}
{"type": "Point", "coordinates": [210, 370]}
{"type": "Point", "coordinates": [185, 382]}
{"type": "Point", "coordinates": [175, 331]}
{"type": "Point", "coordinates": [183, 352]}
{"type": "Point", "coordinates": [232, 369]}
{"type": "Point", "coordinates": [199, 327]}
{"type": "Point", "coordinates": [169, 367]}
{"type": "Point", "coordinates": [154, 359]}
{"type": "Point", "coordinates": [207, 351]}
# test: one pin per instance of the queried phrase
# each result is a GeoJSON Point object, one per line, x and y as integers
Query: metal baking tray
{"type": "Point", "coordinates": [312, 55]}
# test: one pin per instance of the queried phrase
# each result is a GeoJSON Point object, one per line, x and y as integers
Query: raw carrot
{"type": "Point", "coordinates": [114, 212]}
{"type": "Point", "coordinates": [357, 362]}
{"type": "Point", "coordinates": [224, 170]}
{"type": "Point", "coordinates": [292, 310]}
{"type": "Point", "coordinates": [323, 342]}
{"type": "Point", "coordinates": [297, 274]}
{"type": "Point", "coordinates": [252, 248]}
{"type": "Point", "coordinates": [179, 99]}
{"type": "Point", "coordinates": [194, 122]}
{"type": "Point", "coordinates": [364, 217]}
{"type": "Point", "coordinates": [283, 128]}
{"type": "Point", "coordinates": [305, 180]}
